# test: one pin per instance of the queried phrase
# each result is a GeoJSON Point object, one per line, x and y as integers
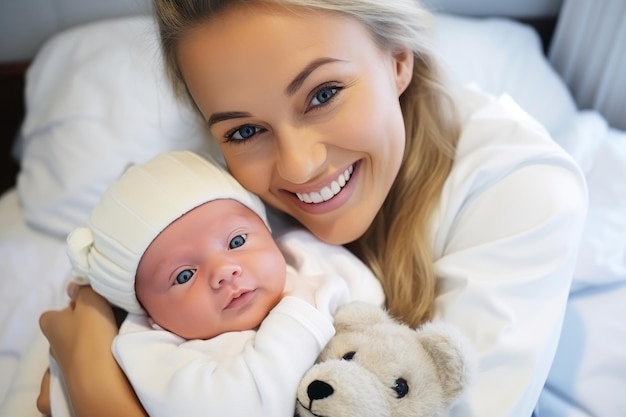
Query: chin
{"type": "Point", "coordinates": [341, 232]}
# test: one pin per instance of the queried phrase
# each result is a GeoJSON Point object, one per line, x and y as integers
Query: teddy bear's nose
{"type": "Point", "coordinates": [318, 390]}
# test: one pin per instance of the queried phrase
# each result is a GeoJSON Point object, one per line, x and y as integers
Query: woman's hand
{"type": "Point", "coordinates": [80, 338]}
{"type": "Point", "coordinates": [43, 401]}
{"type": "Point", "coordinates": [80, 332]}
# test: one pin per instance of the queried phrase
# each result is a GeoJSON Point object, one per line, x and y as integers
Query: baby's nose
{"type": "Point", "coordinates": [225, 274]}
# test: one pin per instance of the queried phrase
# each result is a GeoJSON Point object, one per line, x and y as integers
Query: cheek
{"type": "Point", "coordinates": [143, 294]}
{"type": "Point", "coordinates": [275, 266]}
{"type": "Point", "coordinates": [253, 172]}
{"type": "Point", "coordinates": [159, 306]}
{"type": "Point", "coordinates": [375, 126]}
{"type": "Point", "coordinates": [154, 305]}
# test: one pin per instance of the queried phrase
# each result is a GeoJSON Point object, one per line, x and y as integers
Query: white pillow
{"type": "Point", "coordinates": [97, 100]}
{"type": "Point", "coordinates": [502, 56]}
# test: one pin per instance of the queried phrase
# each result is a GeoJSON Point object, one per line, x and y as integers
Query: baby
{"type": "Point", "coordinates": [223, 319]}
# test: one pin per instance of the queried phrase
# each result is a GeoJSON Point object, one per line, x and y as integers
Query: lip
{"type": "Point", "coordinates": [337, 201]}
{"type": "Point", "coordinates": [240, 300]}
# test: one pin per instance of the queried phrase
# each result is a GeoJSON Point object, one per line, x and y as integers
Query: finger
{"type": "Point", "coordinates": [84, 294]}
{"type": "Point", "coordinates": [72, 290]}
{"type": "Point", "coordinates": [88, 299]}
{"type": "Point", "coordinates": [48, 319]}
{"type": "Point", "coordinates": [43, 400]}
{"type": "Point", "coordinates": [45, 319]}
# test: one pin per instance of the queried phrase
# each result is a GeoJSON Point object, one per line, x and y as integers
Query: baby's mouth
{"type": "Point", "coordinates": [329, 191]}
{"type": "Point", "coordinates": [240, 299]}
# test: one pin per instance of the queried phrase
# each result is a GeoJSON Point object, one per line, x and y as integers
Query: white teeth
{"type": "Point", "coordinates": [316, 198]}
{"type": "Point", "coordinates": [329, 191]}
{"type": "Point", "coordinates": [327, 194]}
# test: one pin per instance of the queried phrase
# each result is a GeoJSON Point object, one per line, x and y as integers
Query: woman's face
{"type": "Point", "coordinates": [304, 106]}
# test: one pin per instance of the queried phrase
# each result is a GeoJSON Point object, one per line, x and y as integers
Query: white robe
{"type": "Point", "coordinates": [505, 241]}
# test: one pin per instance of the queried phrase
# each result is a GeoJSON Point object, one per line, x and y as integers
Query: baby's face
{"type": "Point", "coordinates": [215, 269]}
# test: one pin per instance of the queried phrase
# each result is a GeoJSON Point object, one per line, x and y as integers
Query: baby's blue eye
{"type": "Point", "coordinates": [184, 276]}
{"type": "Point", "coordinates": [237, 241]}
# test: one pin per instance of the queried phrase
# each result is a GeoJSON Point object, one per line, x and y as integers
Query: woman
{"type": "Point", "coordinates": [334, 113]}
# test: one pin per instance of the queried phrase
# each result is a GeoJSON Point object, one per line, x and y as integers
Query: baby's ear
{"type": "Point", "coordinates": [452, 355]}
{"type": "Point", "coordinates": [359, 314]}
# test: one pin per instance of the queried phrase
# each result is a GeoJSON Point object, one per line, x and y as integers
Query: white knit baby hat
{"type": "Point", "coordinates": [135, 209]}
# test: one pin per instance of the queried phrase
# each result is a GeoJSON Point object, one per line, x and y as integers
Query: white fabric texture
{"type": "Point", "coordinates": [504, 277]}
{"type": "Point", "coordinates": [588, 376]}
{"type": "Point", "coordinates": [250, 373]}
{"type": "Point", "coordinates": [602, 257]}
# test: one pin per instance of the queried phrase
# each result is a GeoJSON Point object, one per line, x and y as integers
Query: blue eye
{"type": "Point", "coordinates": [243, 132]}
{"type": "Point", "coordinates": [184, 276]}
{"type": "Point", "coordinates": [237, 241]}
{"type": "Point", "coordinates": [324, 95]}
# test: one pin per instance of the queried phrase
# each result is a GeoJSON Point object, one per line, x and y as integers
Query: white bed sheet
{"type": "Point", "coordinates": [33, 267]}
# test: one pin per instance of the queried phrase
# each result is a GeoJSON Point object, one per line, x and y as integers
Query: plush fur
{"type": "Point", "coordinates": [377, 367]}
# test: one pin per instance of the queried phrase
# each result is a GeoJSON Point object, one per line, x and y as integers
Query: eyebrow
{"type": "Point", "coordinates": [291, 89]}
{"type": "Point", "coordinates": [297, 82]}
{"type": "Point", "coordinates": [220, 117]}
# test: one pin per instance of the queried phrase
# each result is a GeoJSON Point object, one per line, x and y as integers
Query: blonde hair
{"type": "Point", "coordinates": [397, 244]}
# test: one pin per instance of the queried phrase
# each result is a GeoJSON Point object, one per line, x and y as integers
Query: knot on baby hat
{"type": "Point", "coordinates": [79, 243]}
{"type": "Point", "coordinates": [135, 209]}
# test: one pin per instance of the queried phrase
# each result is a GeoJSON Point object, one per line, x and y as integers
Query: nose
{"type": "Point", "coordinates": [318, 390]}
{"type": "Point", "coordinates": [223, 272]}
{"type": "Point", "coordinates": [301, 154]}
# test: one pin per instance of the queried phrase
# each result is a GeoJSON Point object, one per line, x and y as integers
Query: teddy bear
{"type": "Point", "coordinates": [376, 366]}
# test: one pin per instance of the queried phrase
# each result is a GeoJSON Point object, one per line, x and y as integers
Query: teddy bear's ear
{"type": "Point", "coordinates": [359, 313]}
{"type": "Point", "coordinates": [452, 354]}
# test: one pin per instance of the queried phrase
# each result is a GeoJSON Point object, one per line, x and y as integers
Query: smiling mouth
{"type": "Point", "coordinates": [329, 191]}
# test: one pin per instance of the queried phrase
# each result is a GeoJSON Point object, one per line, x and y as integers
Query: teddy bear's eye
{"type": "Point", "coordinates": [401, 388]}
{"type": "Point", "coordinates": [348, 356]}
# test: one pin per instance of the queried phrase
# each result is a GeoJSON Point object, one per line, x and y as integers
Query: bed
{"type": "Point", "coordinates": [96, 100]}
